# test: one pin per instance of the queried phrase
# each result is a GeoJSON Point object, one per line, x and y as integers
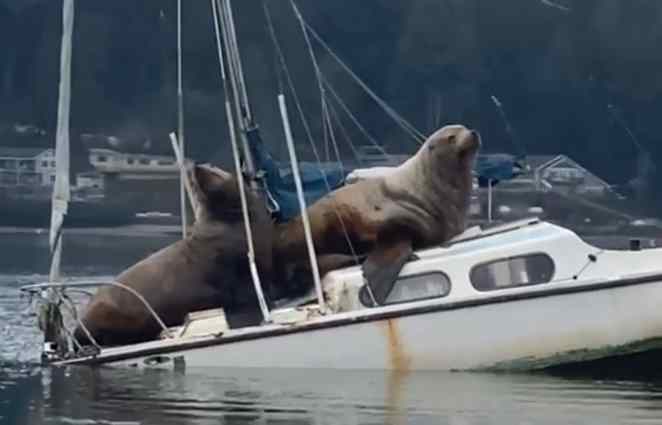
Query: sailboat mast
{"type": "Point", "coordinates": [61, 189]}
{"type": "Point", "coordinates": [237, 82]}
{"type": "Point", "coordinates": [255, 277]}
{"type": "Point", "coordinates": [50, 317]}
{"type": "Point", "coordinates": [180, 120]}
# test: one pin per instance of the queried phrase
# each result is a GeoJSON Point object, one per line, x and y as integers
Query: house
{"type": "Point", "coordinates": [36, 167]}
{"type": "Point", "coordinates": [133, 166]}
{"type": "Point", "coordinates": [26, 167]}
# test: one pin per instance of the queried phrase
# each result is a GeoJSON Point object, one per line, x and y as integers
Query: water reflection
{"type": "Point", "coordinates": [84, 395]}
{"type": "Point", "coordinates": [93, 252]}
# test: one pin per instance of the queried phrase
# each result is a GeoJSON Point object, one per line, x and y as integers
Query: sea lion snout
{"type": "Point", "coordinates": [470, 141]}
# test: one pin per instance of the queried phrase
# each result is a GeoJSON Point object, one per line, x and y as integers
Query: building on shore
{"type": "Point", "coordinates": [26, 167]}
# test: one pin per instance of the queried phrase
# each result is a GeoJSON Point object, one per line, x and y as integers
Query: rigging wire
{"type": "Point", "coordinates": [180, 121]}
{"type": "Point", "coordinates": [344, 132]}
{"type": "Point", "coordinates": [353, 118]}
{"type": "Point", "coordinates": [400, 120]}
{"type": "Point", "coordinates": [326, 119]}
{"type": "Point", "coordinates": [272, 35]}
{"type": "Point", "coordinates": [309, 135]}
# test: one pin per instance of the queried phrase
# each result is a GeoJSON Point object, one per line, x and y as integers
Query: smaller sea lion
{"type": "Point", "coordinates": [207, 269]}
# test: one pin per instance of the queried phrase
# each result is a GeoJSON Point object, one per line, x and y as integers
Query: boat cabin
{"type": "Point", "coordinates": [524, 256]}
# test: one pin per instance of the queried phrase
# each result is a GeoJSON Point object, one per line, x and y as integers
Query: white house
{"type": "Point", "coordinates": [26, 167]}
{"type": "Point", "coordinates": [135, 165]}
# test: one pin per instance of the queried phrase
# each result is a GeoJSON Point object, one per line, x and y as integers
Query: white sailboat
{"type": "Point", "coordinates": [521, 296]}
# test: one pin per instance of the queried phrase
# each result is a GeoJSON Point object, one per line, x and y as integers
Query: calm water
{"type": "Point", "coordinates": [30, 394]}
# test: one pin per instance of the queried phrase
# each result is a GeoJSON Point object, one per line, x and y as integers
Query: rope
{"type": "Point", "coordinates": [326, 119]}
{"type": "Point", "coordinates": [180, 122]}
{"type": "Point", "coordinates": [355, 120]}
{"type": "Point", "coordinates": [74, 314]}
{"type": "Point", "coordinates": [401, 121]}
{"type": "Point", "coordinates": [272, 34]}
{"type": "Point", "coordinates": [509, 127]}
{"type": "Point", "coordinates": [332, 136]}
{"type": "Point", "coordinates": [309, 135]}
{"type": "Point", "coordinates": [344, 132]}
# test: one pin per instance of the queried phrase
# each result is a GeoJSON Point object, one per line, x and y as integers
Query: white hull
{"type": "Point", "coordinates": [527, 333]}
{"type": "Point", "coordinates": [522, 296]}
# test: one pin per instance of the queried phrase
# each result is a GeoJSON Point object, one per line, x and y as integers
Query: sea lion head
{"type": "Point", "coordinates": [452, 144]}
{"type": "Point", "coordinates": [449, 151]}
{"type": "Point", "coordinates": [217, 193]}
{"type": "Point", "coordinates": [445, 164]}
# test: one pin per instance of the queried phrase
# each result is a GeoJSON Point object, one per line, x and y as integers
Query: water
{"type": "Point", "coordinates": [30, 394]}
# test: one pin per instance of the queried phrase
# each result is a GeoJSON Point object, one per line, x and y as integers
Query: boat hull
{"type": "Point", "coordinates": [530, 332]}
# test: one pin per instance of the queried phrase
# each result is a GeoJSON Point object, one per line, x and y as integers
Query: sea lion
{"type": "Point", "coordinates": [207, 269]}
{"type": "Point", "coordinates": [420, 203]}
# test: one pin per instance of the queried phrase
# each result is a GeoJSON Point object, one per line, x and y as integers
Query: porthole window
{"type": "Point", "coordinates": [412, 288]}
{"type": "Point", "coordinates": [534, 269]}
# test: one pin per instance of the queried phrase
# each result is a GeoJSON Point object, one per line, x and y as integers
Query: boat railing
{"type": "Point", "coordinates": [61, 292]}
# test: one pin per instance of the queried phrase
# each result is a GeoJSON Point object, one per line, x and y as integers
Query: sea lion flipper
{"type": "Point", "coordinates": [383, 265]}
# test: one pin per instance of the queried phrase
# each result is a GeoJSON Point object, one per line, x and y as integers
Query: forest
{"type": "Point", "coordinates": [578, 77]}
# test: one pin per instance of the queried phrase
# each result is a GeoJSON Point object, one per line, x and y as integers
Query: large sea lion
{"type": "Point", "coordinates": [207, 269]}
{"type": "Point", "coordinates": [421, 203]}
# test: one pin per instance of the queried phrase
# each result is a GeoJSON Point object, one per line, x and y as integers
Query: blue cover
{"type": "Point", "coordinates": [280, 182]}
{"type": "Point", "coordinates": [492, 169]}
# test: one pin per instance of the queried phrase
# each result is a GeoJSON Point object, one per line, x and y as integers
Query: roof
{"type": "Point", "coordinates": [20, 152]}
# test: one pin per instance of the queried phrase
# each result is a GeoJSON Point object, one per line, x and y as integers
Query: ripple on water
{"type": "Point", "coordinates": [30, 394]}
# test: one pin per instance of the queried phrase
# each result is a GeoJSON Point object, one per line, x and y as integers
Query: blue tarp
{"type": "Point", "coordinates": [279, 181]}
{"type": "Point", "coordinates": [494, 168]}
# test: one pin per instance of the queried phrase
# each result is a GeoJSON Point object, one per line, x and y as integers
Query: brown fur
{"type": "Point", "coordinates": [426, 199]}
{"type": "Point", "coordinates": [207, 269]}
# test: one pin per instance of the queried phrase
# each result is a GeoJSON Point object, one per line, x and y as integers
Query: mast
{"type": "Point", "coordinates": [237, 82]}
{"type": "Point", "coordinates": [50, 318]}
{"type": "Point", "coordinates": [180, 121]}
{"type": "Point", "coordinates": [255, 277]}
{"type": "Point", "coordinates": [61, 189]}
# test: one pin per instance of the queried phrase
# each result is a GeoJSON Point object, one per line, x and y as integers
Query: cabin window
{"type": "Point", "coordinates": [44, 163]}
{"type": "Point", "coordinates": [144, 161]}
{"type": "Point", "coordinates": [412, 288]}
{"type": "Point", "coordinates": [165, 162]}
{"type": "Point", "coordinates": [534, 269]}
{"type": "Point", "coordinates": [101, 158]}
{"type": "Point", "coordinates": [130, 161]}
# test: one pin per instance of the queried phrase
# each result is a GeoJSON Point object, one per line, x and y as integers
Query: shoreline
{"type": "Point", "coordinates": [125, 230]}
